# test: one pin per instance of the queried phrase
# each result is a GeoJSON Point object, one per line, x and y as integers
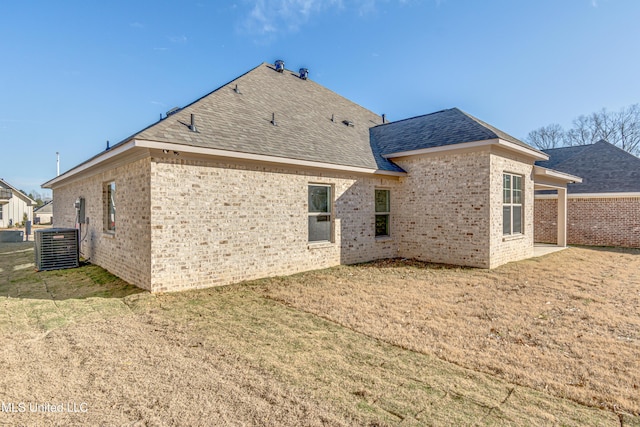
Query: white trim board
{"type": "Point", "coordinates": [531, 152]}
{"type": "Point", "coordinates": [591, 196]}
{"type": "Point", "coordinates": [138, 144]}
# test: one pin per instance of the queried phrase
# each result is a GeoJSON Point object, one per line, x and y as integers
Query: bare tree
{"type": "Point", "coordinates": [551, 136]}
{"type": "Point", "coordinates": [621, 129]}
{"type": "Point", "coordinates": [628, 126]}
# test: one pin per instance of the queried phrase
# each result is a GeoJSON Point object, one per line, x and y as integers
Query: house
{"type": "Point", "coordinates": [604, 209]}
{"type": "Point", "coordinates": [273, 174]}
{"type": "Point", "coordinates": [14, 205]}
{"type": "Point", "coordinates": [43, 214]}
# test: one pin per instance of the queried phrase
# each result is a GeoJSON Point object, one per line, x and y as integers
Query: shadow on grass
{"type": "Point", "coordinates": [20, 279]}
{"type": "Point", "coordinates": [409, 263]}
{"type": "Point", "coordinates": [86, 281]}
{"type": "Point", "coordinates": [610, 249]}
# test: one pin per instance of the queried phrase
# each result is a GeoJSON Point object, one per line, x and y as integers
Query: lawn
{"type": "Point", "coordinates": [550, 341]}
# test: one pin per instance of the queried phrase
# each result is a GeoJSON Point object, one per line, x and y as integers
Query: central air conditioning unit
{"type": "Point", "coordinates": [57, 248]}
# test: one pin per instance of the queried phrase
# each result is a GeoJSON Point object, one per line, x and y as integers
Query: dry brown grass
{"type": "Point", "coordinates": [567, 324]}
{"type": "Point", "coordinates": [235, 356]}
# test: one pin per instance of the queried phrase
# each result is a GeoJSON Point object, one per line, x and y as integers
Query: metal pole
{"type": "Point", "coordinates": [57, 163]}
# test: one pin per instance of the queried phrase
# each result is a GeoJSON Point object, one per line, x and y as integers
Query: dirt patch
{"type": "Point", "coordinates": [567, 324]}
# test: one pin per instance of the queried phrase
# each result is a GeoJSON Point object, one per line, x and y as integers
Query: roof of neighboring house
{"type": "Point", "coordinates": [559, 155]}
{"type": "Point", "coordinates": [446, 127]}
{"type": "Point", "coordinates": [604, 168]}
{"type": "Point", "coordinates": [17, 192]}
{"type": "Point", "coordinates": [47, 208]}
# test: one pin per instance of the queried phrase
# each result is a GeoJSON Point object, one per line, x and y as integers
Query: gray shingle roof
{"type": "Point", "coordinates": [559, 155]}
{"type": "Point", "coordinates": [303, 110]}
{"type": "Point", "coordinates": [446, 127]}
{"type": "Point", "coordinates": [310, 124]}
{"type": "Point", "coordinates": [603, 167]}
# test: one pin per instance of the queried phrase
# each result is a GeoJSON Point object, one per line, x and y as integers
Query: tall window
{"type": "Point", "coordinates": [383, 207]}
{"type": "Point", "coordinates": [511, 204]}
{"type": "Point", "coordinates": [110, 206]}
{"type": "Point", "coordinates": [0, 211]}
{"type": "Point", "coordinates": [319, 213]}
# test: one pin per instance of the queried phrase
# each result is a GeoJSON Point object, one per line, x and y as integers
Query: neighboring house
{"type": "Point", "coordinates": [14, 204]}
{"type": "Point", "coordinates": [604, 209]}
{"type": "Point", "coordinates": [43, 214]}
{"type": "Point", "coordinates": [273, 174]}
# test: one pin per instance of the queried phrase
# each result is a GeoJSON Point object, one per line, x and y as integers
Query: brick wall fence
{"type": "Point", "coordinates": [591, 221]}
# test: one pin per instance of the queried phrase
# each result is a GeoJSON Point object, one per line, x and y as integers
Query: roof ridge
{"type": "Point", "coordinates": [486, 127]}
{"type": "Point", "coordinates": [608, 144]}
{"type": "Point", "coordinates": [414, 117]}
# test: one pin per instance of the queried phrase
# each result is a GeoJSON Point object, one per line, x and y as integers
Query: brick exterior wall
{"type": "Point", "coordinates": [215, 223]}
{"type": "Point", "coordinates": [445, 208]}
{"type": "Point", "coordinates": [193, 222]}
{"type": "Point", "coordinates": [592, 221]}
{"type": "Point", "coordinates": [510, 248]}
{"type": "Point", "coordinates": [125, 253]}
{"type": "Point", "coordinates": [546, 221]}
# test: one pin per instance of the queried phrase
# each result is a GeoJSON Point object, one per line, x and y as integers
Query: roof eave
{"type": "Point", "coordinates": [530, 152]}
{"type": "Point", "coordinates": [542, 173]}
{"type": "Point", "coordinates": [120, 149]}
{"type": "Point", "coordinates": [127, 146]}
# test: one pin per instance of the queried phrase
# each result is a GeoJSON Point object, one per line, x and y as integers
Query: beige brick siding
{"type": "Point", "coordinates": [592, 221]}
{"type": "Point", "coordinates": [194, 222]}
{"type": "Point", "coordinates": [125, 253]}
{"type": "Point", "coordinates": [214, 223]}
{"type": "Point", "coordinates": [510, 248]}
{"type": "Point", "coordinates": [444, 213]}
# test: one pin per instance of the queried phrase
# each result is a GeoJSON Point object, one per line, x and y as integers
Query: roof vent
{"type": "Point", "coordinates": [279, 66]}
{"type": "Point", "coordinates": [192, 126]}
{"type": "Point", "coordinates": [173, 111]}
{"type": "Point", "coordinates": [348, 123]}
{"type": "Point", "coordinates": [304, 73]}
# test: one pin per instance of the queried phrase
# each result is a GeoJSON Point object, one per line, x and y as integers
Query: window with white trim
{"type": "Point", "coordinates": [512, 212]}
{"type": "Point", "coordinates": [109, 194]}
{"type": "Point", "coordinates": [320, 207]}
{"type": "Point", "coordinates": [0, 211]}
{"type": "Point", "coordinates": [383, 209]}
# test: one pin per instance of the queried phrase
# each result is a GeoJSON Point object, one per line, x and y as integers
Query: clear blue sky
{"type": "Point", "coordinates": [74, 74]}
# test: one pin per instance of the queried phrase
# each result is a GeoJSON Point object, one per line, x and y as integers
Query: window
{"type": "Point", "coordinates": [0, 211]}
{"type": "Point", "coordinates": [511, 204]}
{"type": "Point", "coordinates": [110, 206]}
{"type": "Point", "coordinates": [383, 207]}
{"type": "Point", "coordinates": [319, 213]}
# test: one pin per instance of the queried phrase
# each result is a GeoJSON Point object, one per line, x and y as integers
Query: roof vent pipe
{"type": "Point", "coordinates": [192, 127]}
{"type": "Point", "coordinates": [384, 118]}
{"type": "Point", "coordinates": [279, 66]}
{"type": "Point", "coordinates": [304, 73]}
{"type": "Point", "coordinates": [273, 119]}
